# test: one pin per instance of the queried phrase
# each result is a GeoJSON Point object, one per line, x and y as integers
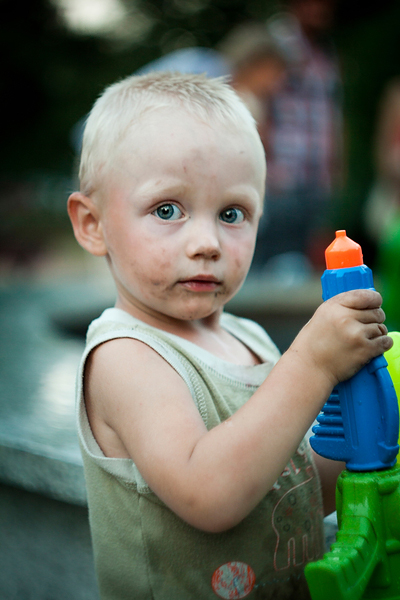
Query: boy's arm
{"type": "Point", "coordinates": [213, 479]}
{"type": "Point", "coordinates": [329, 471]}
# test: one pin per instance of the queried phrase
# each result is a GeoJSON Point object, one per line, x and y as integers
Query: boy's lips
{"type": "Point", "coordinates": [201, 283]}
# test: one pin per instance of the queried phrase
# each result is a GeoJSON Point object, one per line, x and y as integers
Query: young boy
{"type": "Point", "coordinates": [200, 484]}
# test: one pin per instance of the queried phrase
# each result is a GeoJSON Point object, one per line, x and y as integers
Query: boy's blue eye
{"type": "Point", "coordinates": [232, 215]}
{"type": "Point", "coordinates": [168, 212]}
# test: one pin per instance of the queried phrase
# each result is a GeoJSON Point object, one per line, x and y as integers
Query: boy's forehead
{"type": "Point", "coordinates": [168, 127]}
{"type": "Point", "coordinates": [169, 149]}
{"type": "Point", "coordinates": [166, 142]}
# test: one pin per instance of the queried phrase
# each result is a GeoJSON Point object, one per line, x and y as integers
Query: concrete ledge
{"type": "Point", "coordinates": [52, 477]}
{"type": "Point", "coordinates": [41, 342]}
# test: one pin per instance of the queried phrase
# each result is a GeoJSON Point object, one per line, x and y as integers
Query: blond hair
{"type": "Point", "coordinates": [123, 104]}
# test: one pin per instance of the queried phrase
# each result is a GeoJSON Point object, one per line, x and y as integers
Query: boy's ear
{"type": "Point", "coordinates": [85, 219]}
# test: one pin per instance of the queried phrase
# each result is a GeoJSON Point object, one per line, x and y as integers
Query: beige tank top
{"type": "Point", "coordinates": [142, 549]}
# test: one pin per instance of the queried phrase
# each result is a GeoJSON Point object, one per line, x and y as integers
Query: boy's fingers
{"type": "Point", "coordinates": [359, 299]}
{"type": "Point", "coordinates": [378, 336]}
{"type": "Point", "coordinates": [385, 342]}
{"type": "Point", "coordinates": [376, 330]}
{"type": "Point", "coordinates": [383, 329]}
{"type": "Point", "coordinates": [375, 315]}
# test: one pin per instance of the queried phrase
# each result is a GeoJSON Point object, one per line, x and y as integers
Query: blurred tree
{"type": "Point", "coordinates": [51, 75]}
{"type": "Point", "coordinates": [181, 23]}
{"type": "Point", "coordinates": [48, 79]}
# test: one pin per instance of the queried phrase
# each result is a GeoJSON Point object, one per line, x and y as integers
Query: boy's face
{"type": "Point", "coordinates": [179, 214]}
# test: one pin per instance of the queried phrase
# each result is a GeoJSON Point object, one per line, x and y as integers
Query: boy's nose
{"type": "Point", "coordinates": [203, 242]}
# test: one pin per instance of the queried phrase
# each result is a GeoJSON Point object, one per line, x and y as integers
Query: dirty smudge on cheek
{"type": "Point", "coordinates": [239, 267]}
{"type": "Point", "coordinates": [153, 284]}
{"type": "Point", "coordinates": [159, 281]}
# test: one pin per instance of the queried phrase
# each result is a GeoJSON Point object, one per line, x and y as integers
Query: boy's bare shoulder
{"type": "Point", "coordinates": [113, 349]}
{"type": "Point", "coordinates": [126, 384]}
{"type": "Point", "coordinates": [123, 372]}
{"type": "Point", "coordinates": [126, 358]}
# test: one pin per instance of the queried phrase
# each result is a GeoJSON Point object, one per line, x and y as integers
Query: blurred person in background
{"type": "Point", "coordinates": [248, 55]}
{"type": "Point", "coordinates": [258, 69]}
{"type": "Point", "coordinates": [304, 141]}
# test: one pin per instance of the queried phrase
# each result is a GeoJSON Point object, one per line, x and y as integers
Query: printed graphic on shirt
{"type": "Point", "coordinates": [233, 580]}
{"type": "Point", "coordinates": [297, 516]}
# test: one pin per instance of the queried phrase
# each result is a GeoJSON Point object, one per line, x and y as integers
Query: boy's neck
{"type": "Point", "coordinates": [187, 329]}
{"type": "Point", "coordinates": [206, 333]}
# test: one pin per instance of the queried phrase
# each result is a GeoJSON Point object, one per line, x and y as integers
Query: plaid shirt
{"type": "Point", "coordinates": [303, 144]}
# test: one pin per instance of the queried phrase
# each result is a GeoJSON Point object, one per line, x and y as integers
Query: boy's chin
{"type": "Point", "coordinates": [197, 313]}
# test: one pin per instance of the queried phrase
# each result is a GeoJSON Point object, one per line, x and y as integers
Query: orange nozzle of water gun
{"type": "Point", "coordinates": [343, 252]}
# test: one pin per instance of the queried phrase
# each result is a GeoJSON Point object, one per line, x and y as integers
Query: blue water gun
{"type": "Point", "coordinates": [359, 423]}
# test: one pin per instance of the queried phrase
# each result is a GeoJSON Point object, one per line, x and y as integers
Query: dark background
{"type": "Point", "coordinates": [51, 76]}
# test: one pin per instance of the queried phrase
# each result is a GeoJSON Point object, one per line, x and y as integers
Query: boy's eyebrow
{"type": "Point", "coordinates": [162, 187]}
{"type": "Point", "coordinates": [150, 191]}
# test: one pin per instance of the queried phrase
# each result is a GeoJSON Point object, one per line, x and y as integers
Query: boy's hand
{"type": "Point", "coordinates": [344, 334]}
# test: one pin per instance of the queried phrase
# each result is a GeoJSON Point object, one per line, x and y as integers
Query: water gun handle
{"type": "Point", "coordinates": [359, 423]}
{"type": "Point", "coordinates": [364, 561]}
